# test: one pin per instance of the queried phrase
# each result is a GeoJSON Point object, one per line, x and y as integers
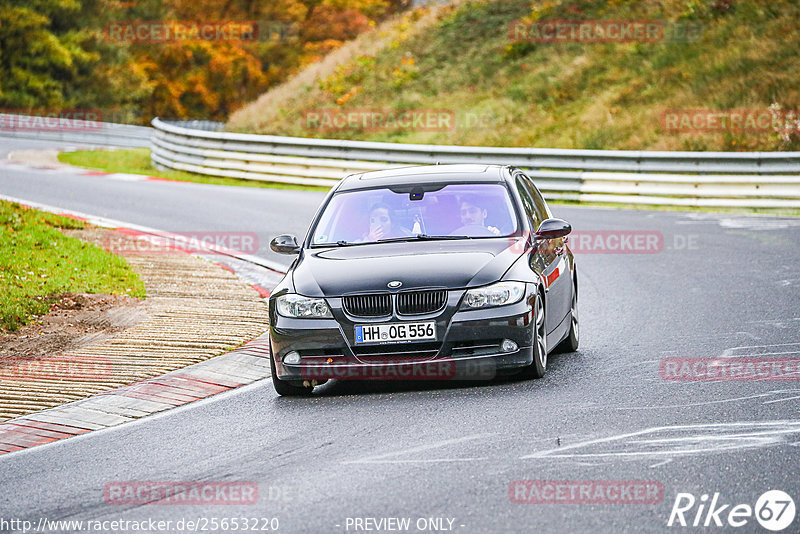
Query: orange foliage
{"type": "Point", "coordinates": [326, 22]}
{"type": "Point", "coordinates": [210, 79]}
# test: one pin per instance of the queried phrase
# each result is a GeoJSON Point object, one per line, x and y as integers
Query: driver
{"type": "Point", "coordinates": [473, 214]}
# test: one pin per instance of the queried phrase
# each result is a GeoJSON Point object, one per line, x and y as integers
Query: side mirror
{"type": "Point", "coordinates": [285, 244]}
{"type": "Point", "coordinates": [553, 229]}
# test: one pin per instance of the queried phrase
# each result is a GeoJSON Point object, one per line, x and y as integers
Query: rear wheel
{"type": "Point", "coordinates": [570, 343]}
{"type": "Point", "coordinates": [538, 367]}
{"type": "Point", "coordinates": [284, 388]}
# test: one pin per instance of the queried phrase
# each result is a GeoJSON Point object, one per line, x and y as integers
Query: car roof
{"type": "Point", "coordinates": [425, 174]}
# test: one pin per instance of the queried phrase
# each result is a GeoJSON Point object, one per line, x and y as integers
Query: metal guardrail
{"type": "Point", "coordinates": [703, 179]}
{"type": "Point", "coordinates": [197, 124]}
{"type": "Point", "coordinates": [94, 133]}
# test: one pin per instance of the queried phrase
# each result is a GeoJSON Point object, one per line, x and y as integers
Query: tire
{"type": "Point", "coordinates": [538, 367]}
{"type": "Point", "coordinates": [570, 343]}
{"type": "Point", "coordinates": [284, 388]}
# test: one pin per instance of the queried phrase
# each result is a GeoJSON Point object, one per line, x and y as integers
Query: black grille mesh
{"type": "Point", "coordinates": [420, 302]}
{"type": "Point", "coordinates": [368, 305]}
{"type": "Point", "coordinates": [408, 303]}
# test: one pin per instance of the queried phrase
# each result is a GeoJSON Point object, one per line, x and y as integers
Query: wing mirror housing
{"type": "Point", "coordinates": [285, 244]}
{"type": "Point", "coordinates": [553, 229]}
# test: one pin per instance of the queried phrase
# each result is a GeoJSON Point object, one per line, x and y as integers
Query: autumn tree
{"type": "Point", "coordinates": [58, 54]}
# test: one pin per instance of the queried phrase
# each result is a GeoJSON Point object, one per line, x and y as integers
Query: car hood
{"type": "Point", "coordinates": [418, 264]}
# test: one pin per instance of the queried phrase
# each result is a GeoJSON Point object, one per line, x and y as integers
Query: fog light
{"type": "Point", "coordinates": [508, 346]}
{"type": "Point", "coordinates": [293, 358]}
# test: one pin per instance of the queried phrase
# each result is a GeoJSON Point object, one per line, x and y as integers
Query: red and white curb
{"type": "Point", "coordinates": [64, 168]}
{"type": "Point", "coordinates": [228, 371]}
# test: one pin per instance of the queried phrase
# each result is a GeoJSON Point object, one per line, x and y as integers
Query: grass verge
{"type": "Point", "coordinates": [38, 263]}
{"type": "Point", "coordinates": [137, 161]}
{"type": "Point", "coordinates": [500, 90]}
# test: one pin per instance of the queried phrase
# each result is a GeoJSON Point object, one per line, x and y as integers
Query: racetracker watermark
{"type": "Point", "coordinates": [401, 367]}
{"type": "Point", "coordinates": [379, 120]}
{"type": "Point", "coordinates": [69, 368]}
{"type": "Point", "coordinates": [50, 120]}
{"type": "Point", "coordinates": [731, 120]}
{"type": "Point", "coordinates": [585, 491]}
{"type": "Point", "coordinates": [181, 493]}
{"type": "Point", "coordinates": [126, 242]}
{"type": "Point", "coordinates": [602, 31]}
{"type": "Point", "coordinates": [726, 369]}
{"type": "Point", "coordinates": [174, 31]}
{"type": "Point", "coordinates": [615, 242]}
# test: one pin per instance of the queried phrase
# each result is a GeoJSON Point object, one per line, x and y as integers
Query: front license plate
{"type": "Point", "coordinates": [380, 333]}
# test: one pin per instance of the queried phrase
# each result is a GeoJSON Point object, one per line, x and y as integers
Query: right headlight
{"type": "Point", "coordinates": [300, 307]}
{"type": "Point", "coordinates": [499, 294]}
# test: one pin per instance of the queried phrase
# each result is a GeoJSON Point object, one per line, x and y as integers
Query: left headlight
{"type": "Point", "coordinates": [300, 307]}
{"type": "Point", "coordinates": [498, 294]}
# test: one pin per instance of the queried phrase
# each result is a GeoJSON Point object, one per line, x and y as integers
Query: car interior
{"type": "Point", "coordinates": [436, 213]}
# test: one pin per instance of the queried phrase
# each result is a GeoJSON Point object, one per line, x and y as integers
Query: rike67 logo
{"type": "Point", "coordinates": [774, 511]}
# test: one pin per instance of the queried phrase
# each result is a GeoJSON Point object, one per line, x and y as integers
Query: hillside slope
{"type": "Point", "coordinates": [461, 63]}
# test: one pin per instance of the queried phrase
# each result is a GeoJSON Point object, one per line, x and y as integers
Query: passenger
{"type": "Point", "coordinates": [380, 224]}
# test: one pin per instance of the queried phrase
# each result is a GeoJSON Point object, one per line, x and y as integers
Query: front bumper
{"type": "Point", "coordinates": [468, 346]}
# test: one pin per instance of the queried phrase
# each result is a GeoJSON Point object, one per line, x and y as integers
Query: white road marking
{"type": "Point", "coordinates": [385, 458]}
{"type": "Point", "coordinates": [780, 400]}
{"type": "Point", "coordinates": [751, 350]}
{"type": "Point", "coordinates": [177, 411]}
{"type": "Point", "coordinates": [421, 461]}
{"type": "Point", "coordinates": [721, 401]}
{"type": "Point", "coordinates": [584, 464]}
{"type": "Point", "coordinates": [757, 223]}
{"type": "Point", "coordinates": [703, 438]}
{"type": "Point", "coordinates": [774, 321]}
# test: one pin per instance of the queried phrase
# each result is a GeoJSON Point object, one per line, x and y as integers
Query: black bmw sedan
{"type": "Point", "coordinates": [442, 272]}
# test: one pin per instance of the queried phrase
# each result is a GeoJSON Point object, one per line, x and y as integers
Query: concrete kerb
{"type": "Point", "coordinates": [154, 394]}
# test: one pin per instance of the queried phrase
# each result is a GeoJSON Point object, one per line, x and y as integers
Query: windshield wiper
{"type": "Point", "coordinates": [417, 237]}
{"type": "Point", "coordinates": [430, 237]}
{"type": "Point", "coordinates": [340, 243]}
{"type": "Point", "coordinates": [422, 237]}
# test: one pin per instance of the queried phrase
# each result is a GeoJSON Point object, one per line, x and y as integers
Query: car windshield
{"type": "Point", "coordinates": [455, 211]}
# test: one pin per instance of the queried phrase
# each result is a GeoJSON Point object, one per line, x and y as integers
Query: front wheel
{"type": "Point", "coordinates": [538, 367]}
{"type": "Point", "coordinates": [284, 388]}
